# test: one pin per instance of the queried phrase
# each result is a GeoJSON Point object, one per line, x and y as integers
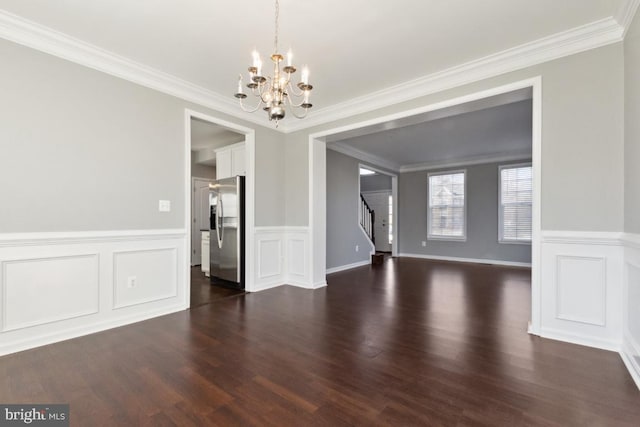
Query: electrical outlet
{"type": "Point", "coordinates": [357, 248]}
{"type": "Point", "coordinates": [424, 243]}
{"type": "Point", "coordinates": [132, 281]}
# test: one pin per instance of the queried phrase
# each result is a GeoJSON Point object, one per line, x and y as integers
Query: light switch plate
{"type": "Point", "coordinates": [164, 205]}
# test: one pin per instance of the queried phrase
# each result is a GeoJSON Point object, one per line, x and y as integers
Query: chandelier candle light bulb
{"type": "Point", "coordinates": [275, 93]}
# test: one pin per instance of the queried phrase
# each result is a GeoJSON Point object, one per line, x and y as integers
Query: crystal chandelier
{"type": "Point", "coordinates": [275, 92]}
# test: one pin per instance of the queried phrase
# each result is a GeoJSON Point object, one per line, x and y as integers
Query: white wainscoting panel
{"type": "Point", "coordinates": [269, 247]}
{"type": "Point", "coordinates": [296, 250]}
{"type": "Point", "coordinates": [144, 276]}
{"type": "Point", "coordinates": [282, 254]}
{"type": "Point", "coordinates": [581, 288]}
{"type": "Point", "coordinates": [297, 256]}
{"type": "Point", "coordinates": [581, 283]}
{"type": "Point", "coordinates": [269, 258]}
{"type": "Point", "coordinates": [39, 291]}
{"type": "Point", "coordinates": [631, 340]}
{"type": "Point", "coordinates": [57, 286]}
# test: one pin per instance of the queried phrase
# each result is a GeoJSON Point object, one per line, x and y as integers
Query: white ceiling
{"type": "Point", "coordinates": [353, 48]}
{"type": "Point", "coordinates": [473, 133]}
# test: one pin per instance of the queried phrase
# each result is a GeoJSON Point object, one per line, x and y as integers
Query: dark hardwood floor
{"type": "Point", "coordinates": [202, 292]}
{"type": "Point", "coordinates": [411, 342]}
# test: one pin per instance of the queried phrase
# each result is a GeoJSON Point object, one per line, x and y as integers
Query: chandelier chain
{"type": "Point", "coordinates": [275, 42]}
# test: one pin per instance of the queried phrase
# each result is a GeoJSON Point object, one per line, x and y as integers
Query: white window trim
{"type": "Point", "coordinates": [501, 238]}
{"type": "Point", "coordinates": [430, 236]}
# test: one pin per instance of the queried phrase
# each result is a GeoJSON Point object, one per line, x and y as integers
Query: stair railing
{"type": "Point", "coordinates": [367, 219]}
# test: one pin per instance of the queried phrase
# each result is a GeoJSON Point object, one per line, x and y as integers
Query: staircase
{"type": "Point", "coordinates": [367, 219]}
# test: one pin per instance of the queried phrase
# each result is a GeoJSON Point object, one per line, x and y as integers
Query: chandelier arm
{"type": "Point", "coordinates": [295, 105]}
{"type": "Point", "coordinates": [293, 111]}
{"type": "Point", "coordinates": [293, 108]}
{"type": "Point", "coordinates": [294, 90]}
{"type": "Point", "coordinates": [250, 109]}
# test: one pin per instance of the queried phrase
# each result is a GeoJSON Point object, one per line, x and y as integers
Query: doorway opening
{"type": "Point", "coordinates": [529, 90]}
{"type": "Point", "coordinates": [377, 207]}
{"type": "Point", "coordinates": [215, 150]}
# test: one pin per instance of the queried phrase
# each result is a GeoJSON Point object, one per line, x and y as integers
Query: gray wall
{"type": "Point", "coordinates": [202, 171]}
{"type": "Point", "coordinates": [343, 231]}
{"type": "Point", "coordinates": [632, 128]}
{"type": "Point", "coordinates": [296, 184]}
{"type": "Point", "coordinates": [76, 147]}
{"type": "Point", "coordinates": [632, 168]}
{"type": "Point", "coordinates": [377, 182]}
{"type": "Point", "coordinates": [582, 153]}
{"type": "Point", "coordinates": [270, 176]}
{"type": "Point", "coordinates": [482, 218]}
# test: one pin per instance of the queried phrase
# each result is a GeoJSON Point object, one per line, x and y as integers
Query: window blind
{"type": "Point", "coordinates": [516, 193]}
{"type": "Point", "coordinates": [446, 205]}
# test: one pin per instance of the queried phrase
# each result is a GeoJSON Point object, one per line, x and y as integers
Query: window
{"type": "Point", "coordinates": [446, 212]}
{"type": "Point", "coordinates": [516, 192]}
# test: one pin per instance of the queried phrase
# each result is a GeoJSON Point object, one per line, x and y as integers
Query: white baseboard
{"type": "Point", "coordinates": [313, 286]}
{"type": "Point", "coordinates": [348, 266]}
{"type": "Point", "coordinates": [629, 348]}
{"type": "Point", "coordinates": [90, 328]}
{"type": "Point", "coordinates": [470, 260]}
{"type": "Point", "coordinates": [585, 340]}
{"type": "Point", "coordinates": [265, 286]}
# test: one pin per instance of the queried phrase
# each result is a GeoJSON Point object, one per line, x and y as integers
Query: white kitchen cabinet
{"type": "Point", "coordinates": [230, 161]}
{"type": "Point", "coordinates": [205, 252]}
{"type": "Point", "coordinates": [238, 160]}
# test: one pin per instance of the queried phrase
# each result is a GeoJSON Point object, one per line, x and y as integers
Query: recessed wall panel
{"type": "Point", "coordinates": [269, 257]}
{"type": "Point", "coordinates": [581, 289]}
{"type": "Point", "coordinates": [297, 257]}
{"type": "Point", "coordinates": [144, 276]}
{"type": "Point", "coordinates": [38, 291]}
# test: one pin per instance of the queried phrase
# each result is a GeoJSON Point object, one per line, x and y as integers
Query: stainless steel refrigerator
{"type": "Point", "coordinates": [226, 207]}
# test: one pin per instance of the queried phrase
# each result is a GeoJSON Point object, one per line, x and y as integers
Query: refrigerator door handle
{"type": "Point", "coordinates": [219, 224]}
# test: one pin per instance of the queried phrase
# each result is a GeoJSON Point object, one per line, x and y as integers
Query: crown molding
{"type": "Point", "coordinates": [21, 31]}
{"type": "Point", "coordinates": [468, 161]}
{"type": "Point", "coordinates": [365, 157]}
{"type": "Point", "coordinates": [590, 36]}
{"type": "Point", "coordinates": [625, 14]}
{"type": "Point", "coordinates": [579, 39]}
